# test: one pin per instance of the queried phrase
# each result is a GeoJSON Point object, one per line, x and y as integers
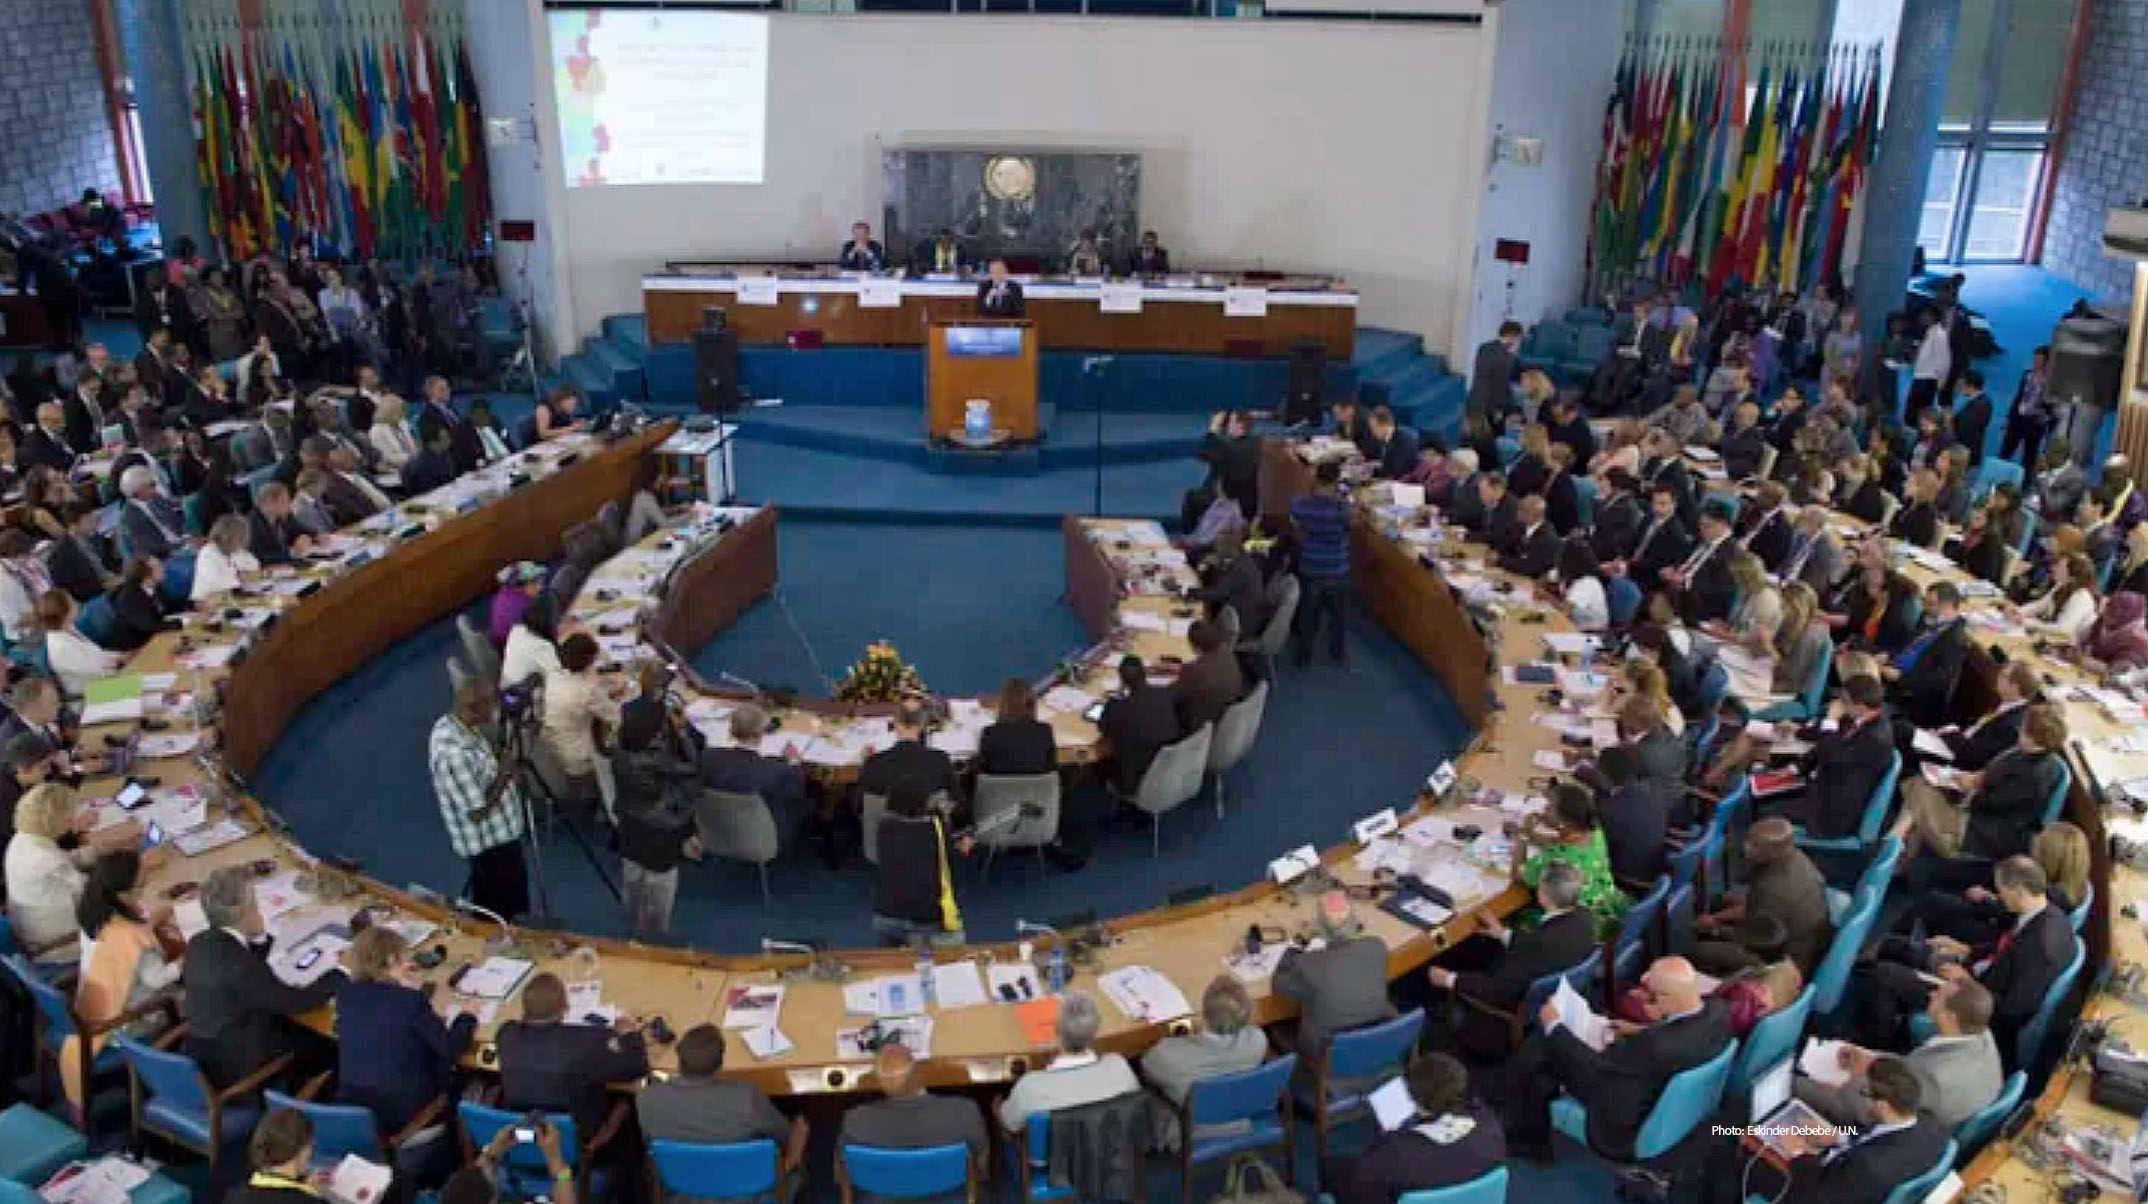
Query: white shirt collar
{"type": "Point", "coordinates": [1073, 1061]}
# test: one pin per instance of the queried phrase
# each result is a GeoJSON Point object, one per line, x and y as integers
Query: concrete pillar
{"type": "Point", "coordinates": [1644, 19]}
{"type": "Point", "coordinates": [1894, 201]}
{"type": "Point", "coordinates": [155, 49]}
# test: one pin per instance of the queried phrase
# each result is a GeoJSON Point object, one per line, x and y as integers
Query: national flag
{"type": "Point", "coordinates": [1608, 166]}
{"type": "Point", "coordinates": [1738, 176]}
{"type": "Point", "coordinates": [352, 144]}
{"type": "Point", "coordinates": [1760, 189]}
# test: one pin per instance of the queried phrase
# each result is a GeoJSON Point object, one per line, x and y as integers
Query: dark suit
{"type": "Point", "coordinates": [1555, 944]}
{"type": "Point", "coordinates": [346, 502]}
{"type": "Point", "coordinates": [1840, 774]}
{"type": "Point", "coordinates": [1917, 523]}
{"type": "Point", "coordinates": [1664, 547]}
{"type": "Point", "coordinates": [41, 446]}
{"type": "Point", "coordinates": [1618, 527]}
{"type": "Point", "coordinates": [1529, 551]}
{"type": "Point", "coordinates": [1238, 585]}
{"type": "Point", "coordinates": [1148, 261]}
{"type": "Point", "coordinates": [869, 258]}
{"type": "Point", "coordinates": [270, 539]}
{"type": "Point", "coordinates": [1970, 423]}
{"type": "Point", "coordinates": [1491, 380]}
{"type": "Point", "coordinates": [1206, 687]}
{"type": "Point", "coordinates": [155, 535]}
{"type": "Point", "coordinates": [236, 1006]}
{"type": "Point", "coordinates": [428, 470]}
{"type": "Point", "coordinates": [1408, 1160]}
{"type": "Point", "coordinates": [1976, 746]}
{"type": "Point", "coordinates": [1793, 891]}
{"type": "Point", "coordinates": [1234, 466]}
{"type": "Point", "coordinates": [85, 427]}
{"type": "Point", "coordinates": [1634, 821]}
{"type": "Point", "coordinates": [1926, 688]}
{"type": "Point", "coordinates": [1017, 747]}
{"type": "Point", "coordinates": [1617, 1085]}
{"type": "Point", "coordinates": [1002, 300]}
{"type": "Point", "coordinates": [1711, 592]}
{"type": "Point", "coordinates": [1526, 475]}
{"type": "Point", "coordinates": [1488, 525]}
{"type": "Point", "coordinates": [1783, 432]}
{"type": "Point", "coordinates": [1865, 502]}
{"type": "Point", "coordinates": [137, 617]}
{"type": "Point", "coordinates": [780, 784]}
{"type": "Point", "coordinates": [2006, 812]}
{"type": "Point", "coordinates": [2022, 969]}
{"type": "Point", "coordinates": [78, 566]}
{"type": "Point", "coordinates": [1562, 503]}
{"type": "Point", "coordinates": [1742, 452]}
{"type": "Point", "coordinates": [464, 444]}
{"type": "Point", "coordinates": [1398, 455]}
{"type": "Point", "coordinates": [907, 774]}
{"type": "Point", "coordinates": [1577, 435]}
{"type": "Point", "coordinates": [1138, 725]}
{"type": "Point", "coordinates": [564, 1068]}
{"type": "Point", "coordinates": [1771, 540]}
{"type": "Point", "coordinates": [395, 1053]}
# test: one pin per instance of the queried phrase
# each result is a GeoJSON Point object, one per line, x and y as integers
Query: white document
{"type": "Point", "coordinates": [277, 894]}
{"type": "Point", "coordinates": [1144, 994]}
{"type": "Point", "coordinates": [1411, 496]}
{"type": "Point", "coordinates": [1549, 758]}
{"type": "Point", "coordinates": [1257, 967]}
{"type": "Point", "coordinates": [958, 985]}
{"type": "Point", "coordinates": [213, 837]}
{"type": "Point", "coordinates": [1141, 620]}
{"type": "Point", "coordinates": [756, 290]}
{"type": "Point", "coordinates": [914, 1033]}
{"type": "Point", "coordinates": [494, 978]}
{"type": "Point", "coordinates": [159, 745]}
{"type": "Point", "coordinates": [766, 1042]}
{"type": "Point", "coordinates": [1931, 745]}
{"type": "Point", "coordinates": [875, 292]}
{"type": "Point", "coordinates": [1822, 1063]}
{"type": "Point", "coordinates": [1392, 1105]}
{"type": "Point", "coordinates": [124, 710]}
{"type": "Point", "coordinates": [1570, 643]}
{"type": "Point", "coordinates": [1242, 302]}
{"type": "Point", "coordinates": [356, 1181]}
{"type": "Point", "coordinates": [1119, 297]}
{"type": "Point", "coordinates": [1579, 1018]}
{"type": "Point", "coordinates": [190, 918]}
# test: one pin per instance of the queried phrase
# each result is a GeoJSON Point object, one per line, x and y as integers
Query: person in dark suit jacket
{"type": "Point", "coordinates": [997, 296]}
{"type": "Point", "coordinates": [88, 412]}
{"type": "Point", "coordinates": [2018, 967]}
{"type": "Point", "coordinates": [1972, 415]}
{"type": "Point", "coordinates": [1568, 425]}
{"type": "Point", "coordinates": [238, 1012]}
{"type": "Point", "coordinates": [439, 415]}
{"type": "Point", "coordinates": [1149, 258]}
{"type": "Point", "coordinates": [1494, 512]}
{"type": "Point", "coordinates": [739, 768]}
{"type": "Point", "coordinates": [1708, 588]}
{"type": "Point", "coordinates": [1493, 372]}
{"type": "Point", "coordinates": [83, 563]}
{"type": "Point", "coordinates": [1863, 1167]}
{"type": "Point", "coordinates": [47, 443]}
{"type": "Point", "coordinates": [1396, 446]}
{"type": "Point", "coordinates": [432, 466]}
{"type": "Point", "coordinates": [1230, 578]}
{"type": "Point", "coordinates": [1631, 811]}
{"type": "Point", "coordinates": [1841, 773]}
{"type": "Point", "coordinates": [1338, 987]}
{"type": "Point", "coordinates": [1562, 501]}
{"type": "Point", "coordinates": [1857, 490]}
{"type": "Point", "coordinates": [549, 1065]}
{"type": "Point", "coordinates": [863, 253]}
{"type": "Point", "coordinates": [1450, 1140]}
{"type": "Point", "coordinates": [1917, 521]}
{"type": "Point", "coordinates": [137, 609]}
{"type": "Point", "coordinates": [1347, 420]}
{"type": "Point", "coordinates": [1621, 1082]}
{"type": "Point", "coordinates": [1784, 426]}
{"type": "Point", "coordinates": [1619, 518]}
{"type": "Point", "coordinates": [909, 772]}
{"type": "Point", "coordinates": [1017, 742]}
{"type": "Point", "coordinates": [1745, 444]}
{"type": "Point", "coordinates": [1528, 547]}
{"type": "Point", "coordinates": [272, 533]}
{"type": "Point", "coordinates": [1663, 543]}
{"type": "Point", "coordinates": [1233, 458]}
{"type": "Point", "coordinates": [1211, 683]}
{"type": "Point", "coordinates": [155, 369]}
{"type": "Point", "coordinates": [2003, 803]}
{"type": "Point", "coordinates": [1138, 723]}
{"type": "Point", "coordinates": [1923, 676]}
{"type": "Point", "coordinates": [395, 1054]}
{"type": "Point", "coordinates": [1975, 746]}
{"type": "Point", "coordinates": [150, 524]}
{"type": "Point", "coordinates": [1768, 531]}
{"type": "Point", "coordinates": [1563, 935]}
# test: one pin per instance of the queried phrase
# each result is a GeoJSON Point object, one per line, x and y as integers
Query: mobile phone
{"type": "Point", "coordinates": [133, 795]}
{"type": "Point", "coordinates": [525, 1134]}
{"type": "Point", "coordinates": [153, 837]}
{"type": "Point", "coordinates": [307, 959]}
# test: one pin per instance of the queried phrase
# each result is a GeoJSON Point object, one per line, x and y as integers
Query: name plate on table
{"type": "Point", "coordinates": [1374, 826]}
{"type": "Point", "coordinates": [756, 290]}
{"type": "Point", "coordinates": [1442, 779]}
{"type": "Point", "coordinates": [1245, 302]}
{"type": "Point", "coordinates": [1294, 865]}
{"type": "Point", "coordinates": [1119, 297]}
{"type": "Point", "coordinates": [879, 293]}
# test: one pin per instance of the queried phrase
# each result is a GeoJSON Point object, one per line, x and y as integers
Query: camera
{"type": "Point", "coordinates": [518, 702]}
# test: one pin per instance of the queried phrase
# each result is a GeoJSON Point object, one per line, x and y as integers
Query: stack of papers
{"type": "Point", "coordinates": [1822, 1063]}
{"type": "Point", "coordinates": [1578, 1018]}
{"type": "Point", "coordinates": [1392, 1104]}
{"type": "Point", "coordinates": [356, 1181]}
{"type": "Point", "coordinates": [958, 985]}
{"type": "Point", "coordinates": [754, 1006]}
{"type": "Point", "coordinates": [913, 1033]}
{"type": "Point", "coordinates": [1257, 967]}
{"type": "Point", "coordinates": [494, 978]}
{"type": "Point", "coordinates": [112, 700]}
{"type": "Point", "coordinates": [1143, 993]}
{"type": "Point", "coordinates": [105, 1181]}
{"type": "Point", "coordinates": [892, 995]}
{"type": "Point", "coordinates": [213, 837]}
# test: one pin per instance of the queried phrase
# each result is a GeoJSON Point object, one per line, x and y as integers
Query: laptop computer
{"type": "Point", "coordinates": [1780, 1115]}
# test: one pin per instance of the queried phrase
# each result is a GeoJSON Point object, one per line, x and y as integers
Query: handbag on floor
{"type": "Point", "coordinates": [1253, 1181]}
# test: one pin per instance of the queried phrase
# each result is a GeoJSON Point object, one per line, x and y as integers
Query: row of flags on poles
{"type": "Point", "coordinates": [374, 147]}
{"type": "Point", "coordinates": [1704, 180]}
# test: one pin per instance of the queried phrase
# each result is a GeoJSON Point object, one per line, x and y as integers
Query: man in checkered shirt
{"type": "Point", "coordinates": [478, 800]}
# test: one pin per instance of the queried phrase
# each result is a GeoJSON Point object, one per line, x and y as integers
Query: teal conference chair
{"type": "Point", "coordinates": [1687, 1100]}
{"type": "Point", "coordinates": [1772, 1039]}
{"type": "Point", "coordinates": [742, 1170]}
{"type": "Point", "coordinates": [1342, 1072]}
{"type": "Point", "coordinates": [1868, 825]}
{"type": "Point", "coordinates": [1260, 1098]}
{"type": "Point", "coordinates": [1972, 1133]}
{"type": "Point", "coordinates": [904, 1174]}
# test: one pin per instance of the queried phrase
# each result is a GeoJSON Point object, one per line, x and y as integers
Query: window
{"type": "Point", "coordinates": [1941, 193]}
{"type": "Point", "coordinates": [2005, 193]}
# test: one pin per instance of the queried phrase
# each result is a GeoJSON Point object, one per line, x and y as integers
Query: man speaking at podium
{"type": "Point", "coordinates": [999, 297]}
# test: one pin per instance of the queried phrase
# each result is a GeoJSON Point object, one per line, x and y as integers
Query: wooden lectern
{"type": "Point", "coordinates": [995, 360]}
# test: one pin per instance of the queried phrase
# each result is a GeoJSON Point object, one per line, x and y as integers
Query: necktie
{"type": "Point", "coordinates": [1797, 558]}
{"type": "Point", "coordinates": [1698, 558]}
{"type": "Point", "coordinates": [1648, 538]}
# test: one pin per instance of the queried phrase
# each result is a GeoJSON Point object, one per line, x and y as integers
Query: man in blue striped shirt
{"type": "Point", "coordinates": [1321, 520]}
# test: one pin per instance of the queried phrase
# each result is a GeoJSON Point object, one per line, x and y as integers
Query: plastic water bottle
{"type": "Point", "coordinates": [924, 975]}
{"type": "Point", "coordinates": [1055, 970]}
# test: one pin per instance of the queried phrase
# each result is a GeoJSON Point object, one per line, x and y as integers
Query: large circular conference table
{"type": "Point", "coordinates": [295, 633]}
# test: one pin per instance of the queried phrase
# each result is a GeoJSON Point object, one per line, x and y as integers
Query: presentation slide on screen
{"type": "Point", "coordinates": [657, 97]}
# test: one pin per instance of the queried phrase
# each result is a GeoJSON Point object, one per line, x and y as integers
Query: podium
{"type": "Point", "coordinates": [987, 359]}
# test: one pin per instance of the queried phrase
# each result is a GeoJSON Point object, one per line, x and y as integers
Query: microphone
{"type": "Point", "coordinates": [1025, 928]}
{"type": "Point", "coordinates": [771, 945]}
{"type": "Point", "coordinates": [468, 908]}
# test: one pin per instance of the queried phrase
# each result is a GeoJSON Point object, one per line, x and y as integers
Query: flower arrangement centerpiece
{"type": "Point", "coordinates": [879, 676]}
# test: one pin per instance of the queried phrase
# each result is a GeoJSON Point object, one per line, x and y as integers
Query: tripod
{"type": "Point", "coordinates": [515, 738]}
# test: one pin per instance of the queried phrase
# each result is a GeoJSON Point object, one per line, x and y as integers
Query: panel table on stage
{"type": "Point", "coordinates": [1198, 314]}
{"type": "Point", "coordinates": [1122, 579]}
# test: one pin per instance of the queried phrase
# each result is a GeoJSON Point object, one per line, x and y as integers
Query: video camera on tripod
{"type": "Point", "coordinates": [521, 704]}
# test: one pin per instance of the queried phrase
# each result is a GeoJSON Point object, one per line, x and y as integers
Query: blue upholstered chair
{"type": "Point", "coordinates": [1582, 976]}
{"type": "Point", "coordinates": [1687, 1100]}
{"type": "Point", "coordinates": [1260, 1097]}
{"type": "Point", "coordinates": [97, 622]}
{"type": "Point", "coordinates": [522, 1171]}
{"type": "Point", "coordinates": [1868, 825]}
{"type": "Point", "coordinates": [1806, 705]}
{"type": "Point", "coordinates": [2031, 1041]}
{"type": "Point", "coordinates": [2079, 915]}
{"type": "Point", "coordinates": [1637, 933]}
{"type": "Point", "coordinates": [56, 1022]}
{"type": "Point", "coordinates": [743, 1170]}
{"type": "Point", "coordinates": [1832, 976]}
{"type": "Point", "coordinates": [2058, 792]}
{"type": "Point", "coordinates": [34, 1145]}
{"type": "Point", "coordinates": [1972, 1133]}
{"type": "Point", "coordinates": [1335, 1092]}
{"type": "Point", "coordinates": [1878, 873]}
{"type": "Point", "coordinates": [1489, 1188]}
{"type": "Point", "coordinates": [1773, 1038]}
{"type": "Point", "coordinates": [905, 1174]}
{"type": "Point", "coordinates": [172, 1098]}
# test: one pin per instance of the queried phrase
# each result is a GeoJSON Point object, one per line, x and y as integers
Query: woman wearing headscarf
{"type": "Point", "coordinates": [2119, 639]}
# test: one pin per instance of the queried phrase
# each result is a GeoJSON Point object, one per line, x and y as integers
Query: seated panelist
{"type": "Point", "coordinates": [1149, 258]}
{"type": "Point", "coordinates": [862, 253]}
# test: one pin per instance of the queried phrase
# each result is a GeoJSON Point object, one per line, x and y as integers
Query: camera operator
{"type": "Point", "coordinates": [479, 804]}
